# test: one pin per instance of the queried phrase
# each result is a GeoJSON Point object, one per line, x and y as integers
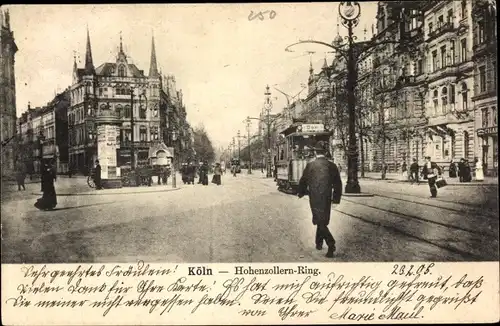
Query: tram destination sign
{"type": "Point", "coordinates": [317, 127]}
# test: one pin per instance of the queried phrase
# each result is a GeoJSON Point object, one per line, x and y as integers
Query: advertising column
{"type": "Point", "coordinates": [106, 150]}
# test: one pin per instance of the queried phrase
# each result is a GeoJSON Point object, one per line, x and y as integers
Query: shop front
{"type": "Point", "coordinates": [489, 149]}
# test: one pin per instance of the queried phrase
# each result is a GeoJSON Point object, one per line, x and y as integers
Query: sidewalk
{"type": "Point", "coordinates": [397, 178]}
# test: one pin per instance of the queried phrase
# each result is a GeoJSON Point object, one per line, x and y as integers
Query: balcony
{"type": "Point", "coordinates": [448, 71]}
{"type": "Point", "coordinates": [137, 144]}
{"type": "Point", "coordinates": [441, 30]}
{"type": "Point", "coordinates": [484, 47]}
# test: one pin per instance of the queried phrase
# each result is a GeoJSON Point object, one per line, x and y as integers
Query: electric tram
{"type": "Point", "coordinates": [295, 148]}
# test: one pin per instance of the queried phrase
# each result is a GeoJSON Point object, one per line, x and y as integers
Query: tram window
{"type": "Point", "coordinates": [282, 154]}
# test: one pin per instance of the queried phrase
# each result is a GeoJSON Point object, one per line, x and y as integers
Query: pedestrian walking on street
{"type": "Point", "coordinates": [321, 181]}
{"type": "Point", "coordinates": [452, 173]}
{"type": "Point", "coordinates": [49, 197]}
{"type": "Point", "coordinates": [97, 175]}
{"type": "Point", "coordinates": [20, 176]}
{"type": "Point", "coordinates": [414, 172]}
{"type": "Point", "coordinates": [204, 174]}
{"type": "Point", "coordinates": [431, 172]}
{"type": "Point", "coordinates": [404, 170]}
{"type": "Point", "coordinates": [217, 174]}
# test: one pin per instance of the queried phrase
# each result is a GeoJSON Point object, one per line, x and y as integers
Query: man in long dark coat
{"type": "Point", "coordinates": [431, 171]}
{"type": "Point", "coordinates": [97, 175]}
{"type": "Point", "coordinates": [320, 177]}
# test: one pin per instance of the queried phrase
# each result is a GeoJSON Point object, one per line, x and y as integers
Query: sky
{"type": "Point", "coordinates": [222, 61]}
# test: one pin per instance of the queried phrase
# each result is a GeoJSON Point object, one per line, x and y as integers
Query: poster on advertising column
{"type": "Point", "coordinates": [106, 150]}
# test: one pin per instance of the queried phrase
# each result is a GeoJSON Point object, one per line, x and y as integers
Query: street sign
{"type": "Point", "coordinates": [313, 127]}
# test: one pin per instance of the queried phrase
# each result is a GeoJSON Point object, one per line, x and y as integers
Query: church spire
{"type": "Point", "coordinates": [121, 43]}
{"type": "Point", "coordinates": [153, 68]}
{"type": "Point", "coordinates": [89, 64]}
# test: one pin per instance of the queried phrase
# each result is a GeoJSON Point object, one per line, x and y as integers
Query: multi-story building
{"type": "Point", "coordinates": [484, 25]}
{"type": "Point", "coordinates": [450, 81]}
{"type": "Point", "coordinates": [44, 134]}
{"type": "Point", "coordinates": [8, 49]}
{"type": "Point", "coordinates": [116, 93]}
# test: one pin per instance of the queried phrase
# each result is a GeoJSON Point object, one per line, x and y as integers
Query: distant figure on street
{"type": "Point", "coordinates": [452, 172]}
{"type": "Point", "coordinates": [414, 172]}
{"type": "Point", "coordinates": [464, 171]}
{"type": "Point", "coordinates": [431, 172]}
{"type": "Point", "coordinates": [20, 176]}
{"type": "Point", "coordinates": [49, 197]}
{"type": "Point", "coordinates": [319, 179]}
{"type": "Point", "coordinates": [404, 170]}
{"type": "Point", "coordinates": [204, 173]}
{"type": "Point", "coordinates": [233, 169]}
{"type": "Point", "coordinates": [479, 171]}
{"type": "Point", "coordinates": [217, 174]}
{"type": "Point", "coordinates": [97, 175]}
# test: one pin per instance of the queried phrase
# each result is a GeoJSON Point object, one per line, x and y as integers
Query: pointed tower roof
{"type": "Point", "coordinates": [311, 69]}
{"type": "Point", "coordinates": [153, 68]}
{"type": "Point", "coordinates": [89, 64]}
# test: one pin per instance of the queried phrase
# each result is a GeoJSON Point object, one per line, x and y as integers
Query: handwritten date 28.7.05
{"type": "Point", "coordinates": [412, 270]}
{"type": "Point", "coordinates": [261, 15]}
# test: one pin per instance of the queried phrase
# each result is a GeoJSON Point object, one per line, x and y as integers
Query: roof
{"type": "Point", "coordinates": [108, 68]}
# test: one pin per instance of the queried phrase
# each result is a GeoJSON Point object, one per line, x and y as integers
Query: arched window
{"type": "Point", "coordinates": [452, 94]}
{"type": "Point", "coordinates": [119, 109]}
{"type": "Point", "coordinates": [465, 101]}
{"type": "Point", "coordinates": [142, 112]}
{"type": "Point", "coordinates": [127, 111]}
{"type": "Point", "coordinates": [121, 71]}
{"type": "Point", "coordinates": [143, 133]}
{"type": "Point", "coordinates": [444, 100]}
{"type": "Point", "coordinates": [435, 101]}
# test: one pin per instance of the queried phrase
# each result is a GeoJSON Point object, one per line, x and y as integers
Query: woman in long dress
{"type": "Point", "coordinates": [217, 174]}
{"type": "Point", "coordinates": [49, 197]}
{"type": "Point", "coordinates": [479, 171]}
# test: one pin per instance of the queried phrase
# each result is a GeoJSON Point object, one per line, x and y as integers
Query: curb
{"type": "Point", "coordinates": [363, 194]}
{"type": "Point", "coordinates": [104, 192]}
{"type": "Point", "coordinates": [424, 182]}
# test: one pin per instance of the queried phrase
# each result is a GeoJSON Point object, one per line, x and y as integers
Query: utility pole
{"type": "Point", "coordinates": [249, 149]}
{"type": "Point", "coordinates": [132, 151]}
{"type": "Point", "coordinates": [268, 106]}
{"type": "Point", "coordinates": [239, 147]}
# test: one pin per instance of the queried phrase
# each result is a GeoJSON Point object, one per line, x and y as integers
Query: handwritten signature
{"type": "Point", "coordinates": [261, 15]}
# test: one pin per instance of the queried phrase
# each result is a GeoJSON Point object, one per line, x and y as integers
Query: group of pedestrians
{"type": "Point", "coordinates": [189, 170]}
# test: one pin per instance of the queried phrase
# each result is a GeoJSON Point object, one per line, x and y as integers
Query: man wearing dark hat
{"type": "Point", "coordinates": [320, 177]}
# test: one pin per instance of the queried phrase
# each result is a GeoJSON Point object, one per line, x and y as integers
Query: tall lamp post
{"type": "Point", "coordinates": [174, 139]}
{"type": "Point", "coordinates": [41, 139]}
{"type": "Point", "coordinates": [349, 12]}
{"type": "Point", "coordinates": [249, 149]}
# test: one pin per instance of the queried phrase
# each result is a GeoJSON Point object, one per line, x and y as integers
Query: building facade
{"type": "Point", "coordinates": [484, 26]}
{"type": "Point", "coordinates": [44, 135]}
{"type": "Point", "coordinates": [116, 93]}
{"type": "Point", "coordinates": [8, 49]}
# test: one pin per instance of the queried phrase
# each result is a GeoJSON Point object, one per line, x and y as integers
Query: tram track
{"type": "Point", "coordinates": [423, 219]}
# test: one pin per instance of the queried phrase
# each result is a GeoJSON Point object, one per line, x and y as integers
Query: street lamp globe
{"type": "Point", "coordinates": [349, 10]}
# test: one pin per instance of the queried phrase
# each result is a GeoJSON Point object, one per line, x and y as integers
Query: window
{"type": "Point", "coordinates": [127, 111]}
{"type": "Point", "coordinates": [449, 18]}
{"type": "Point", "coordinates": [430, 29]}
{"type": "Point", "coordinates": [119, 110]}
{"type": "Point", "coordinates": [494, 64]}
{"type": "Point", "coordinates": [155, 110]}
{"type": "Point", "coordinates": [466, 144]}
{"type": "Point", "coordinates": [444, 100]}
{"type": "Point", "coordinates": [452, 52]}
{"type": "Point", "coordinates": [101, 91]}
{"type": "Point", "coordinates": [121, 71]}
{"type": "Point", "coordinates": [435, 63]}
{"type": "Point", "coordinates": [482, 79]}
{"type": "Point", "coordinates": [452, 94]}
{"type": "Point", "coordinates": [90, 133]}
{"type": "Point", "coordinates": [142, 112]}
{"type": "Point", "coordinates": [143, 134]}
{"type": "Point", "coordinates": [481, 32]}
{"type": "Point", "coordinates": [440, 22]}
{"type": "Point", "coordinates": [443, 56]}
{"type": "Point", "coordinates": [154, 133]}
{"type": "Point", "coordinates": [463, 45]}
{"type": "Point", "coordinates": [484, 117]}
{"type": "Point", "coordinates": [464, 97]}
{"type": "Point", "coordinates": [463, 12]}
{"type": "Point", "coordinates": [420, 67]}
{"type": "Point", "coordinates": [494, 116]}
{"type": "Point", "coordinates": [435, 101]}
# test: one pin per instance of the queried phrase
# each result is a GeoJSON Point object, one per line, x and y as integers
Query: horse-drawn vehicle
{"type": "Point", "coordinates": [295, 148]}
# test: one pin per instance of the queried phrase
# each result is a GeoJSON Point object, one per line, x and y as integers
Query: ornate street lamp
{"type": "Point", "coordinates": [350, 12]}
